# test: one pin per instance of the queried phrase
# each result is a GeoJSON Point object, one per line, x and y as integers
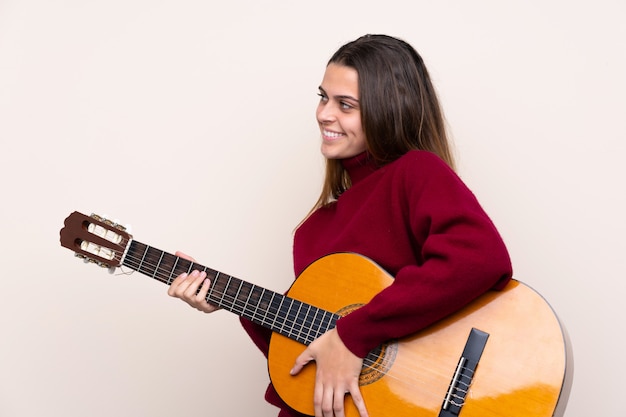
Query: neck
{"type": "Point", "coordinates": [274, 311]}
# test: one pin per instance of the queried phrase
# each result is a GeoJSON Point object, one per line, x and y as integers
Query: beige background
{"type": "Point", "coordinates": [194, 122]}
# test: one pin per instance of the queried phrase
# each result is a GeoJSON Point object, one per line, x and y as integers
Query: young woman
{"type": "Point", "coordinates": [390, 194]}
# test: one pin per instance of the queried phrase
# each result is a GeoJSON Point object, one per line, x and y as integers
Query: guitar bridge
{"type": "Point", "coordinates": [464, 374]}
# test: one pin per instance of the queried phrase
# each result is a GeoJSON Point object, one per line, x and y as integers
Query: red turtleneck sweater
{"type": "Point", "coordinates": [416, 219]}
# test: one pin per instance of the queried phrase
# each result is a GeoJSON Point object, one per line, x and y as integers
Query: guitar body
{"type": "Point", "coordinates": [522, 371]}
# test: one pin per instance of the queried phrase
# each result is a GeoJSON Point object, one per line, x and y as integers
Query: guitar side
{"type": "Point", "coordinates": [523, 370]}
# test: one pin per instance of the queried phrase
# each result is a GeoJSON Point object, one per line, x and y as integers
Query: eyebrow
{"type": "Point", "coordinates": [339, 97]}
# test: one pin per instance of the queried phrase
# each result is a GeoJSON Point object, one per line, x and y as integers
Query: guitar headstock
{"type": "Point", "coordinates": [95, 239]}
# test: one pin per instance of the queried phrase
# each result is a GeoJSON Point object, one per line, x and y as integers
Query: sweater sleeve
{"type": "Point", "coordinates": [460, 256]}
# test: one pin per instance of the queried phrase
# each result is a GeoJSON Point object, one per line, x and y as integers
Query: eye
{"type": "Point", "coordinates": [346, 106]}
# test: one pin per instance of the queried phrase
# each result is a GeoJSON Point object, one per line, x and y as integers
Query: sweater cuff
{"type": "Point", "coordinates": [353, 335]}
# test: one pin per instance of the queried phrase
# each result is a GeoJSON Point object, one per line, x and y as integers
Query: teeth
{"type": "Point", "coordinates": [332, 134]}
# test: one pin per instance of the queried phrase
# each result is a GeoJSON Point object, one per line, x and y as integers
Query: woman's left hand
{"type": "Point", "coordinates": [337, 374]}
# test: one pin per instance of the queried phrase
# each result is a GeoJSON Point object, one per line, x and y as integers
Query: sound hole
{"type": "Point", "coordinates": [378, 362]}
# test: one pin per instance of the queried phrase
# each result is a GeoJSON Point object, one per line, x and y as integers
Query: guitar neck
{"type": "Point", "coordinates": [292, 318]}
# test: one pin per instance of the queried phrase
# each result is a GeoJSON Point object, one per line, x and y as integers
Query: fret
{"type": "Point", "coordinates": [245, 303]}
{"type": "Point", "coordinates": [217, 290]}
{"type": "Point", "coordinates": [210, 296]}
{"type": "Point", "coordinates": [235, 297]}
{"type": "Point", "coordinates": [239, 299]}
{"type": "Point", "coordinates": [310, 325]}
{"type": "Point", "coordinates": [211, 274]}
{"type": "Point", "coordinates": [226, 284]}
{"type": "Point", "coordinates": [326, 323]}
{"type": "Point", "coordinates": [170, 278]}
{"type": "Point", "coordinates": [291, 320]}
{"type": "Point", "coordinates": [182, 266]}
{"type": "Point", "coordinates": [231, 291]}
{"type": "Point", "coordinates": [156, 254]}
{"type": "Point", "coordinates": [293, 317]}
{"type": "Point", "coordinates": [266, 301]}
{"type": "Point", "coordinates": [142, 258]}
{"type": "Point", "coordinates": [304, 330]}
{"type": "Point", "coordinates": [299, 320]}
{"type": "Point", "coordinates": [274, 308]}
{"type": "Point", "coordinates": [318, 322]}
{"type": "Point", "coordinates": [225, 300]}
{"type": "Point", "coordinates": [243, 294]}
{"type": "Point", "coordinates": [162, 267]}
{"type": "Point", "coordinates": [148, 265]}
{"type": "Point", "coordinates": [264, 305]}
{"type": "Point", "coordinates": [281, 316]}
{"type": "Point", "coordinates": [332, 320]}
{"type": "Point", "coordinates": [254, 301]}
{"type": "Point", "coordinates": [157, 257]}
{"type": "Point", "coordinates": [158, 264]}
{"type": "Point", "coordinates": [195, 267]}
{"type": "Point", "coordinates": [306, 325]}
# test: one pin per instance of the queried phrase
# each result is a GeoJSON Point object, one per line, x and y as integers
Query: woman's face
{"type": "Point", "coordinates": [338, 113]}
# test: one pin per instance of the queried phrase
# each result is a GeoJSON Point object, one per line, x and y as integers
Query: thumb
{"type": "Point", "coordinates": [301, 361]}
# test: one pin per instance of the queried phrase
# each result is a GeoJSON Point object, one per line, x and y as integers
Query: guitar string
{"type": "Point", "coordinates": [407, 377]}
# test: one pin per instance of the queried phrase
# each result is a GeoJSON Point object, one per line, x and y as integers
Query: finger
{"type": "Point", "coordinates": [301, 361]}
{"type": "Point", "coordinates": [184, 285]}
{"type": "Point", "coordinates": [184, 256]}
{"type": "Point", "coordinates": [358, 401]}
{"type": "Point", "coordinates": [323, 396]}
{"type": "Point", "coordinates": [204, 290]}
{"type": "Point", "coordinates": [318, 398]}
{"type": "Point", "coordinates": [327, 404]}
{"type": "Point", "coordinates": [338, 402]}
{"type": "Point", "coordinates": [174, 286]}
{"type": "Point", "coordinates": [197, 278]}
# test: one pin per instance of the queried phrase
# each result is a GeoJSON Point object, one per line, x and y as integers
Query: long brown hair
{"type": "Point", "coordinates": [400, 110]}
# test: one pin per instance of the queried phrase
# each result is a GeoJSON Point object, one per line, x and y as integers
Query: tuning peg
{"type": "Point", "coordinates": [98, 217]}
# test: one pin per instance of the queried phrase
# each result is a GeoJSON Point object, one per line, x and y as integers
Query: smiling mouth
{"type": "Point", "coordinates": [331, 135]}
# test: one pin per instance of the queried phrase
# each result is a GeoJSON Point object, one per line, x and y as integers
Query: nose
{"type": "Point", "coordinates": [325, 113]}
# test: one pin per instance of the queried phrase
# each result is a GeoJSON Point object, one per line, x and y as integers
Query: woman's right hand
{"type": "Point", "coordinates": [185, 287]}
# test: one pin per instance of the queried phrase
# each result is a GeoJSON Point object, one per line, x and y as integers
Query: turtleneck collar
{"type": "Point", "coordinates": [359, 166]}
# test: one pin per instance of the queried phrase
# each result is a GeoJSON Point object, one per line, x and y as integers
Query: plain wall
{"type": "Point", "coordinates": [193, 121]}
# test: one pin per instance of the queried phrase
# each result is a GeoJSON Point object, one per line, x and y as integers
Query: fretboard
{"type": "Point", "coordinates": [292, 318]}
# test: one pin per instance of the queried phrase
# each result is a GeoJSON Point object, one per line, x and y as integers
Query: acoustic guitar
{"type": "Point", "coordinates": [505, 354]}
